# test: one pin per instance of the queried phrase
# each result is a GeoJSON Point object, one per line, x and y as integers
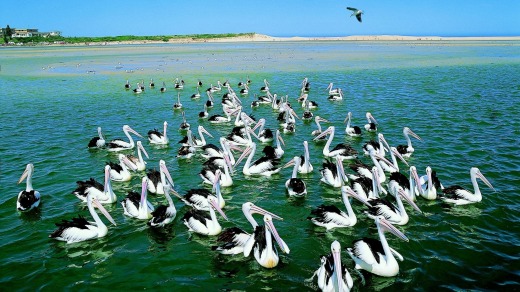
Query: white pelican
{"type": "Point", "coordinates": [343, 151]}
{"type": "Point", "coordinates": [211, 150]}
{"type": "Point", "coordinates": [120, 172]}
{"type": "Point", "coordinates": [333, 174]}
{"type": "Point", "coordinates": [184, 126]}
{"type": "Point", "coordinates": [265, 165]}
{"type": "Point", "coordinates": [164, 215]}
{"type": "Point", "coordinates": [394, 214]}
{"type": "Point", "coordinates": [330, 216]}
{"type": "Point", "coordinates": [305, 164]}
{"type": "Point", "coordinates": [262, 243]}
{"type": "Point", "coordinates": [138, 162]}
{"type": "Point", "coordinates": [158, 138]}
{"type": "Point", "coordinates": [295, 186]}
{"type": "Point", "coordinates": [97, 142]}
{"type": "Point", "coordinates": [233, 240]}
{"type": "Point", "coordinates": [407, 150]}
{"type": "Point", "coordinates": [137, 206]}
{"type": "Point", "coordinates": [163, 88]}
{"type": "Point", "coordinates": [118, 144]}
{"type": "Point", "coordinates": [30, 198]}
{"type": "Point", "coordinates": [371, 126]}
{"type": "Point", "coordinates": [196, 95]}
{"type": "Point", "coordinates": [332, 274]}
{"type": "Point", "coordinates": [429, 184]}
{"type": "Point", "coordinates": [203, 223]}
{"type": "Point", "coordinates": [355, 12]}
{"type": "Point", "coordinates": [376, 256]}
{"type": "Point", "coordinates": [103, 193]}
{"type": "Point", "coordinates": [158, 179]}
{"type": "Point", "coordinates": [265, 88]}
{"type": "Point", "coordinates": [306, 85]}
{"type": "Point", "coordinates": [354, 131]}
{"type": "Point", "coordinates": [178, 104]}
{"type": "Point", "coordinates": [78, 229]}
{"type": "Point", "coordinates": [460, 196]}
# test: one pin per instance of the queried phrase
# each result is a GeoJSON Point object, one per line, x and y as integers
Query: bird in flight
{"type": "Point", "coordinates": [356, 12]}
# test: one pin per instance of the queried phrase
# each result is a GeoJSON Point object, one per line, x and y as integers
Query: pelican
{"type": "Point", "coordinates": [295, 186]}
{"type": "Point", "coordinates": [335, 91]}
{"type": "Point", "coordinates": [158, 138]}
{"type": "Point", "coordinates": [355, 12]}
{"type": "Point", "coordinates": [30, 198]}
{"type": "Point", "coordinates": [198, 198]}
{"type": "Point", "coordinates": [278, 151]}
{"type": "Point", "coordinates": [264, 135]}
{"type": "Point", "coordinates": [265, 88]}
{"type": "Point", "coordinates": [209, 102]}
{"type": "Point", "coordinates": [120, 172]}
{"type": "Point", "coordinates": [305, 164]}
{"type": "Point", "coordinates": [343, 151]}
{"type": "Point", "coordinates": [196, 95]}
{"type": "Point", "coordinates": [307, 114]}
{"type": "Point", "coordinates": [97, 142]}
{"type": "Point", "coordinates": [371, 126]}
{"type": "Point", "coordinates": [376, 256]}
{"type": "Point", "coordinates": [364, 170]}
{"type": "Point", "coordinates": [429, 184]}
{"type": "Point", "coordinates": [179, 84]}
{"type": "Point", "coordinates": [138, 162]}
{"type": "Point", "coordinates": [410, 185]}
{"type": "Point", "coordinates": [78, 229]}
{"type": "Point", "coordinates": [152, 84]}
{"type": "Point", "coordinates": [178, 104]}
{"type": "Point", "coordinates": [366, 187]}
{"type": "Point", "coordinates": [184, 126]}
{"type": "Point", "coordinates": [118, 144]}
{"type": "Point", "coordinates": [332, 274]}
{"type": "Point", "coordinates": [203, 223]}
{"type": "Point", "coordinates": [137, 206]}
{"type": "Point", "coordinates": [103, 193]}
{"type": "Point", "coordinates": [197, 143]}
{"type": "Point", "coordinates": [354, 131]}
{"type": "Point", "coordinates": [127, 85]}
{"type": "Point", "coordinates": [336, 96]}
{"type": "Point", "coordinates": [317, 132]}
{"type": "Point", "coordinates": [138, 89]}
{"type": "Point", "coordinates": [164, 215]}
{"type": "Point", "coordinates": [233, 240]}
{"type": "Point", "coordinates": [261, 242]}
{"type": "Point", "coordinates": [330, 216]}
{"type": "Point", "coordinates": [460, 196]}
{"type": "Point", "coordinates": [158, 179]}
{"type": "Point", "coordinates": [186, 152]}
{"type": "Point", "coordinates": [333, 174]}
{"type": "Point", "coordinates": [204, 114]}
{"type": "Point", "coordinates": [210, 150]}
{"type": "Point", "coordinates": [209, 173]}
{"type": "Point", "coordinates": [407, 150]}
{"type": "Point", "coordinates": [265, 165]}
{"type": "Point", "coordinates": [394, 214]}
{"type": "Point", "coordinates": [199, 83]}
{"type": "Point", "coordinates": [218, 119]}
{"type": "Point", "coordinates": [309, 103]}
{"type": "Point", "coordinates": [244, 90]}
{"type": "Point", "coordinates": [163, 88]}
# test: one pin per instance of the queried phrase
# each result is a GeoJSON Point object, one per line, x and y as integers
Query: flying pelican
{"type": "Point", "coordinates": [158, 138]}
{"type": "Point", "coordinates": [295, 186]}
{"type": "Point", "coordinates": [355, 12]}
{"type": "Point", "coordinates": [460, 196]}
{"type": "Point", "coordinates": [119, 172]}
{"type": "Point", "coordinates": [137, 206]}
{"type": "Point", "coordinates": [265, 165]}
{"type": "Point", "coordinates": [78, 229]}
{"type": "Point", "coordinates": [429, 184]}
{"type": "Point", "coordinates": [158, 179]}
{"type": "Point", "coordinates": [407, 150]}
{"type": "Point", "coordinates": [97, 142]}
{"type": "Point", "coordinates": [354, 131]}
{"type": "Point", "coordinates": [343, 151]}
{"type": "Point", "coordinates": [394, 214]}
{"type": "Point", "coordinates": [118, 144]}
{"type": "Point", "coordinates": [30, 198]}
{"type": "Point", "coordinates": [164, 215]}
{"type": "Point", "coordinates": [376, 256]}
{"type": "Point", "coordinates": [138, 162]}
{"type": "Point", "coordinates": [330, 216]}
{"type": "Point", "coordinates": [333, 174]}
{"type": "Point", "coordinates": [203, 223]}
{"type": "Point", "coordinates": [371, 125]}
{"type": "Point", "coordinates": [178, 104]}
{"type": "Point", "coordinates": [332, 274]}
{"type": "Point", "coordinates": [232, 240]}
{"type": "Point", "coordinates": [261, 242]}
{"type": "Point", "coordinates": [104, 194]}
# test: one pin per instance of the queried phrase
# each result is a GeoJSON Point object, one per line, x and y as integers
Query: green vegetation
{"type": "Point", "coordinates": [124, 38]}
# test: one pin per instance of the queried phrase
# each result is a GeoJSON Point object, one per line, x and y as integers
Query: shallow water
{"type": "Point", "coordinates": [462, 98]}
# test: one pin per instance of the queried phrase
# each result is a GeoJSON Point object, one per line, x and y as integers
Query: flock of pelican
{"type": "Point", "coordinates": [380, 187]}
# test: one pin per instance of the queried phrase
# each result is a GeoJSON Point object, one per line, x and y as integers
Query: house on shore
{"type": "Point", "coordinates": [29, 32]}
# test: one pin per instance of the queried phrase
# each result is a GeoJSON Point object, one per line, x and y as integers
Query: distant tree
{"type": "Point", "coordinates": [7, 34]}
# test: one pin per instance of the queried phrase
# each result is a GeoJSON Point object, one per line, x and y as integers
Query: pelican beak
{"type": "Point", "coordinates": [336, 256]}
{"type": "Point", "coordinates": [140, 145]}
{"type": "Point", "coordinates": [355, 195]}
{"type": "Point", "coordinates": [323, 134]}
{"type": "Point", "coordinates": [203, 130]}
{"type": "Point", "coordinates": [134, 132]}
{"type": "Point", "coordinates": [107, 174]}
{"type": "Point", "coordinates": [25, 173]}
{"type": "Point", "coordinates": [371, 117]}
{"type": "Point", "coordinates": [396, 153]}
{"type": "Point", "coordinates": [413, 173]}
{"type": "Point", "coordinates": [280, 138]}
{"type": "Point", "coordinates": [485, 180]}
{"type": "Point", "coordinates": [103, 211]}
{"type": "Point", "coordinates": [261, 122]}
{"type": "Point", "coordinates": [258, 210]}
{"type": "Point", "coordinates": [414, 135]}
{"type": "Point", "coordinates": [166, 173]}
{"type": "Point", "coordinates": [244, 154]}
{"type": "Point", "coordinates": [252, 132]}
{"type": "Point", "coordinates": [128, 163]}
{"type": "Point", "coordinates": [144, 191]}
{"type": "Point", "coordinates": [388, 226]}
{"type": "Point", "coordinates": [323, 120]}
{"type": "Point", "coordinates": [100, 133]}
{"type": "Point", "coordinates": [269, 224]}
{"type": "Point", "coordinates": [294, 113]}
{"type": "Point", "coordinates": [376, 155]}
{"type": "Point", "coordinates": [217, 179]}
{"type": "Point", "coordinates": [409, 200]}
{"type": "Point", "coordinates": [290, 163]}
{"type": "Point", "coordinates": [215, 205]}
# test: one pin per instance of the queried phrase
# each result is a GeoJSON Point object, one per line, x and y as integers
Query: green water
{"type": "Point", "coordinates": [461, 98]}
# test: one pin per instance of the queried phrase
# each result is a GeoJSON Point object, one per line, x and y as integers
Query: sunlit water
{"type": "Point", "coordinates": [461, 98]}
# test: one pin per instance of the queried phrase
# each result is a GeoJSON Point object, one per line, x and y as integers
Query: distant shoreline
{"type": "Point", "coordinates": [265, 38]}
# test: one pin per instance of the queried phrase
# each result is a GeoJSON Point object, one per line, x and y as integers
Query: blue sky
{"type": "Point", "coordinates": [275, 18]}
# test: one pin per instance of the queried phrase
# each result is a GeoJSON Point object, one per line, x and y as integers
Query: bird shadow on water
{"type": "Point", "coordinates": [160, 237]}
{"type": "Point", "coordinates": [31, 216]}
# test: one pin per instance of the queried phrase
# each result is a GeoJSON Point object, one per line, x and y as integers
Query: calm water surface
{"type": "Point", "coordinates": [462, 98]}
